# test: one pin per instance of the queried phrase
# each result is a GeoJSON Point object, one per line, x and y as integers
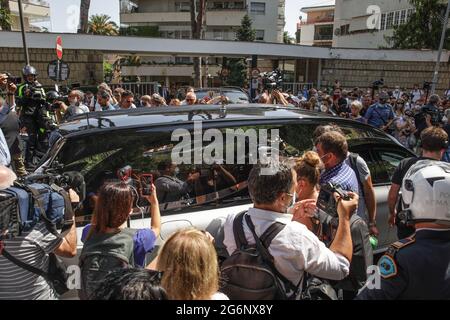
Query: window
{"type": "Point", "coordinates": [396, 18]}
{"type": "Point", "coordinates": [390, 20]}
{"type": "Point", "coordinates": [258, 8]}
{"type": "Point", "coordinates": [218, 34]}
{"type": "Point", "coordinates": [383, 21]}
{"type": "Point", "coordinates": [411, 12]}
{"type": "Point", "coordinates": [182, 60]}
{"type": "Point", "coordinates": [323, 32]}
{"type": "Point", "coordinates": [259, 35]}
{"type": "Point", "coordinates": [387, 161]}
{"type": "Point", "coordinates": [184, 6]}
{"type": "Point", "coordinates": [403, 17]}
{"type": "Point", "coordinates": [345, 29]}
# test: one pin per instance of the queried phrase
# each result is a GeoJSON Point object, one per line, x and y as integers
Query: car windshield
{"type": "Point", "coordinates": [235, 97]}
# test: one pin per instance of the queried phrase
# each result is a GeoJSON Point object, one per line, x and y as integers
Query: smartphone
{"type": "Point", "coordinates": [146, 180]}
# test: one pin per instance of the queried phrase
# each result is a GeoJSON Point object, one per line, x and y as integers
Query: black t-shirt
{"type": "Point", "coordinates": [447, 129]}
{"type": "Point", "coordinates": [9, 123]}
{"type": "Point", "coordinates": [403, 168]}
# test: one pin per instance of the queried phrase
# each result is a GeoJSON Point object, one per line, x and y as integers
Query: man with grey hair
{"type": "Point", "coordinates": [76, 104]}
{"type": "Point", "coordinates": [295, 249]}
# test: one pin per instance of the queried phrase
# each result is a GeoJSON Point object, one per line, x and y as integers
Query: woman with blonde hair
{"type": "Point", "coordinates": [188, 261]}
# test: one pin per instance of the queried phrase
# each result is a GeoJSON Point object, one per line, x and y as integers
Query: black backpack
{"type": "Point", "coordinates": [103, 254]}
{"type": "Point", "coordinates": [249, 273]}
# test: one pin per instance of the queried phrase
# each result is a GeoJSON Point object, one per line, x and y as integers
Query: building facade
{"type": "Point", "coordinates": [317, 30]}
{"type": "Point", "coordinates": [367, 23]}
{"type": "Point", "coordinates": [34, 11]}
{"type": "Point", "coordinates": [173, 20]}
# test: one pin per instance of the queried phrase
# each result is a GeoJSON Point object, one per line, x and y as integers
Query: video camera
{"type": "Point", "coordinates": [378, 83]}
{"type": "Point", "coordinates": [426, 86]}
{"type": "Point", "coordinates": [326, 202]}
{"type": "Point", "coordinates": [272, 80]}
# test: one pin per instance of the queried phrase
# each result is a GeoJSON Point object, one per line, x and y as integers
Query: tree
{"type": "Point", "coordinates": [100, 24]}
{"type": "Point", "coordinates": [5, 15]}
{"type": "Point", "coordinates": [245, 32]}
{"type": "Point", "coordinates": [423, 29]}
{"type": "Point", "coordinates": [141, 31]}
{"type": "Point", "coordinates": [287, 39]}
{"type": "Point", "coordinates": [198, 21]}
{"type": "Point", "coordinates": [84, 16]}
{"type": "Point", "coordinates": [238, 67]}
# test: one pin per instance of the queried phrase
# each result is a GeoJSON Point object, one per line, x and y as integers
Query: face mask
{"type": "Point", "coordinates": [323, 108]}
{"type": "Point", "coordinates": [290, 208]}
{"type": "Point", "coordinates": [74, 102]}
{"type": "Point", "coordinates": [176, 171]}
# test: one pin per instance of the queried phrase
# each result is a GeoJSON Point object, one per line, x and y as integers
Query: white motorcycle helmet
{"type": "Point", "coordinates": [426, 192]}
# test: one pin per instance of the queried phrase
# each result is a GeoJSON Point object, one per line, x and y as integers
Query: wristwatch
{"type": "Point", "coordinates": [372, 224]}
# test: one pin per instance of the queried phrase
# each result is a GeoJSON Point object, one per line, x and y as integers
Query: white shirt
{"type": "Point", "coordinates": [416, 95]}
{"type": "Point", "coordinates": [295, 249]}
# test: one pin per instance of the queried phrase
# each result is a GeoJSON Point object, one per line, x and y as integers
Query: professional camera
{"type": "Point", "coordinates": [326, 201]}
{"type": "Point", "coordinates": [378, 83]}
{"type": "Point", "coordinates": [12, 79]}
{"type": "Point", "coordinates": [272, 80]}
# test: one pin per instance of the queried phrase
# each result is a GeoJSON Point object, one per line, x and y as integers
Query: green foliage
{"type": "Point", "coordinates": [107, 67]}
{"type": "Point", "coordinates": [238, 72]}
{"type": "Point", "coordinates": [101, 24]}
{"type": "Point", "coordinates": [287, 39]}
{"type": "Point", "coordinates": [424, 27]}
{"type": "Point", "coordinates": [245, 32]}
{"type": "Point", "coordinates": [5, 19]}
{"type": "Point", "coordinates": [141, 31]}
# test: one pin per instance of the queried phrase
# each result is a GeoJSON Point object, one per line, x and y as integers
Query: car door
{"type": "Point", "coordinates": [387, 158]}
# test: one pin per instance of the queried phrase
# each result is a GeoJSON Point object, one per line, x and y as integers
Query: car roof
{"type": "Point", "coordinates": [172, 115]}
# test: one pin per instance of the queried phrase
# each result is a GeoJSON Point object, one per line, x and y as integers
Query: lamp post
{"type": "Point", "coordinates": [441, 46]}
{"type": "Point", "coordinates": [24, 39]}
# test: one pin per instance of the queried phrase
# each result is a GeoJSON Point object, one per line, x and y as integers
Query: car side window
{"type": "Point", "coordinates": [389, 159]}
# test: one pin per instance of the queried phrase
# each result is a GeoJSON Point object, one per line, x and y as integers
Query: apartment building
{"type": "Point", "coordinates": [356, 25]}
{"type": "Point", "coordinates": [34, 11]}
{"type": "Point", "coordinates": [173, 20]}
{"type": "Point", "coordinates": [317, 29]}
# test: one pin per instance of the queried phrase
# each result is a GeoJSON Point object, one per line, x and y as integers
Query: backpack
{"type": "Point", "coordinates": [353, 159]}
{"type": "Point", "coordinates": [25, 205]}
{"type": "Point", "coordinates": [102, 254]}
{"type": "Point", "coordinates": [249, 273]}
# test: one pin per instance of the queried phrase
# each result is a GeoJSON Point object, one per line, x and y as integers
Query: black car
{"type": "Point", "coordinates": [100, 143]}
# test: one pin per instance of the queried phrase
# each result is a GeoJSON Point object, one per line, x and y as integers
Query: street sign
{"type": "Point", "coordinates": [58, 70]}
{"type": "Point", "coordinates": [59, 48]}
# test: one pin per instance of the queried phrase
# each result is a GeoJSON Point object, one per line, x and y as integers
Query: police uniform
{"type": "Point", "coordinates": [417, 267]}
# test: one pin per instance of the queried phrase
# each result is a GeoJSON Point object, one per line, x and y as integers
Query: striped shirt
{"type": "Point", "coordinates": [32, 248]}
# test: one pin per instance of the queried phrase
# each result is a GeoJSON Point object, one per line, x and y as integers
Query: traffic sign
{"type": "Point", "coordinates": [59, 48]}
{"type": "Point", "coordinates": [58, 70]}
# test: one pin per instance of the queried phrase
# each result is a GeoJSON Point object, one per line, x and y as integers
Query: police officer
{"type": "Point", "coordinates": [31, 97]}
{"type": "Point", "coordinates": [418, 267]}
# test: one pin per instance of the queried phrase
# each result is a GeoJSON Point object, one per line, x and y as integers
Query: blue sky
{"type": "Point", "coordinates": [64, 13]}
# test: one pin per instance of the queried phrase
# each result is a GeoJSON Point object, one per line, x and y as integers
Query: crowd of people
{"type": "Point", "coordinates": [334, 248]}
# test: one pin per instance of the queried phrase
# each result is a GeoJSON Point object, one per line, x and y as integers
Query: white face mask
{"type": "Point", "coordinates": [323, 108]}
{"type": "Point", "coordinates": [176, 171]}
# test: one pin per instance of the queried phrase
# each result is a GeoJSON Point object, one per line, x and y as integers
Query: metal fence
{"type": "Point", "coordinates": [138, 88]}
{"type": "Point", "coordinates": [295, 87]}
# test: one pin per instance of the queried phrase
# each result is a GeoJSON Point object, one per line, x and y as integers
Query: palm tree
{"type": "Point", "coordinates": [84, 16]}
{"type": "Point", "coordinates": [5, 15]}
{"type": "Point", "coordinates": [102, 25]}
{"type": "Point", "coordinates": [287, 39]}
{"type": "Point", "coordinates": [198, 20]}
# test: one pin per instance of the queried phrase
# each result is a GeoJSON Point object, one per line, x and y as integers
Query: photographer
{"type": "Point", "coordinates": [429, 115]}
{"type": "Point", "coordinates": [295, 249]}
{"type": "Point", "coordinates": [32, 248]}
{"type": "Point", "coordinates": [9, 124]}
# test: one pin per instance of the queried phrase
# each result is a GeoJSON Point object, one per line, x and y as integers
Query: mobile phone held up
{"type": "Point", "coordinates": [146, 180]}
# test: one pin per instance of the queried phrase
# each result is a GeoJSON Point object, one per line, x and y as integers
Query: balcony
{"type": "Point", "coordinates": [225, 17]}
{"type": "Point", "coordinates": [155, 17]}
{"type": "Point", "coordinates": [32, 9]}
{"type": "Point", "coordinates": [323, 37]}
